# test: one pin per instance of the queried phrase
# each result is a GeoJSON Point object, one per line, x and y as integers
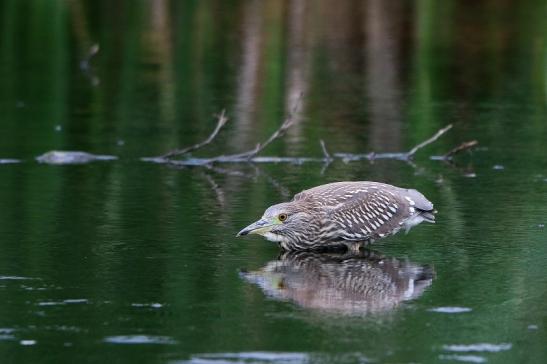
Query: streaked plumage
{"type": "Point", "coordinates": [349, 283]}
{"type": "Point", "coordinates": [342, 213]}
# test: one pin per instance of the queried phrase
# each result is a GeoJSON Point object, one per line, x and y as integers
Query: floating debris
{"type": "Point", "coordinates": [533, 327]}
{"type": "Point", "coordinates": [140, 339]}
{"type": "Point", "coordinates": [498, 167]}
{"type": "Point", "coordinates": [450, 309]}
{"type": "Point", "coordinates": [72, 157]}
{"type": "Point", "coordinates": [541, 226]}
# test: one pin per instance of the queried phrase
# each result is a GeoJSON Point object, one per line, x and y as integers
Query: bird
{"type": "Point", "coordinates": [342, 283]}
{"type": "Point", "coordinates": [349, 214]}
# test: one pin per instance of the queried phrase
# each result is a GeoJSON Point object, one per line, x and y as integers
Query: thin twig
{"type": "Point", "coordinates": [437, 135]}
{"type": "Point", "coordinates": [460, 148]}
{"type": "Point", "coordinates": [222, 119]}
{"type": "Point", "coordinates": [85, 65]}
{"type": "Point", "coordinates": [327, 157]}
{"type": "Point", "coordinates": [325, 151]}
{"type": "Point", "coordinates": [251, 155]}
{"type": "Point", "coordinates": [92, 52]}
{"type": "Point", "coordinates": [287, 123]}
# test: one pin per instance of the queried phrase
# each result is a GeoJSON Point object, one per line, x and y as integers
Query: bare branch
{"type": "Point", "coordinates": [222, 119]}
{"type": "Point", "coordinates": [437, 135]}
{"type": "Point", "coordinates": [287, 123]}
{"type": "Point", "coordinates": [251, 156]}
{"type": "Point", "coordinates": [460, 148]}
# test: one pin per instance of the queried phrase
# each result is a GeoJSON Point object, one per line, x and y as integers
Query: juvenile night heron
{"type": "Point", "coordinates": [342, 213]}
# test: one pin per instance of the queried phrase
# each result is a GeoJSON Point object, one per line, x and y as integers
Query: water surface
{"type": "Point", "coordinates": [138, 262]}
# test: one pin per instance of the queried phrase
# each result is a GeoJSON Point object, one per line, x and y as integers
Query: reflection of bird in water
{"type": "Point", "coordinates": [345, 283]}
{"type": "Point", "coordinates": [342, 213]}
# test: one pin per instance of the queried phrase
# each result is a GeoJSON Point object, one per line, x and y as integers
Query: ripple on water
{"type": "Point", "coordinates": [450, 309]}
{"type": "Point", "coordinates": [150, 305]}
{"type": "Point", "coordinates": [15, 278]}
{"type": "Point", "coordinates": [257, 357]}
{"type": "Point", "coordinates": [140, 339]}
{"type": "Point", "coordinates": [70, 301]}
{"type": "Point", "coordinates": [6, 333]}
{"type": "Point", "coordinates": [27, 342]}
{"type": "Point", "coordinates": [75, 300]}
{"type": "Point", "coordinates": [481, 347]}
{"type": "Point", "coordinates": [464, 358]}
{"type": "Point", "coordinates": [262, 357]}
{"type": "Point", "coordinates": [9, 161]}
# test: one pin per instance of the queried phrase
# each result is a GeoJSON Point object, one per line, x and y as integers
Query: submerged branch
{"type": "Point", "coordinates": [252, 156]}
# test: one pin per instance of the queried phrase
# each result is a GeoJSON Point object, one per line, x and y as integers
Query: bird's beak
{"type": "Point", "coordinates": [260, 227]}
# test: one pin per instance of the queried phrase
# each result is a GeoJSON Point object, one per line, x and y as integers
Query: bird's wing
{"type": "Point", "coordinates": [370, 213]}
{"type": "Point", "coordinates": [332, 194]}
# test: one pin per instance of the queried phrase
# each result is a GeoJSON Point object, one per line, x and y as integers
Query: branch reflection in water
{"type": "Point", "coordinates": [348, 283]}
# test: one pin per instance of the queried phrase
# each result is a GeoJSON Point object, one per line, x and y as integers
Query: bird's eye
{"type": "Point", "coordinates": [282, 217]}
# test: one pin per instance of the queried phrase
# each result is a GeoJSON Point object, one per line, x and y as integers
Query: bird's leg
{"type": "Point", "coordinates": [354, 247]}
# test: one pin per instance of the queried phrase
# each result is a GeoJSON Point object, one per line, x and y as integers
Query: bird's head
{"type": "Point", "coordinates": [283, 223]}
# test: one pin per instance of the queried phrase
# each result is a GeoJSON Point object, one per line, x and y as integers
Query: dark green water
{"type": "Point", "coordinates": [127, 261]}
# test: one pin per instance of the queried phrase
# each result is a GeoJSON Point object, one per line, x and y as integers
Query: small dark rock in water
{"type": "Point", "coordinates": [72, 157]}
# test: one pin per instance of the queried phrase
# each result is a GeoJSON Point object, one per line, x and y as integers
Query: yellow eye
{"type": "Point", "coordinates": [282, 217]}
